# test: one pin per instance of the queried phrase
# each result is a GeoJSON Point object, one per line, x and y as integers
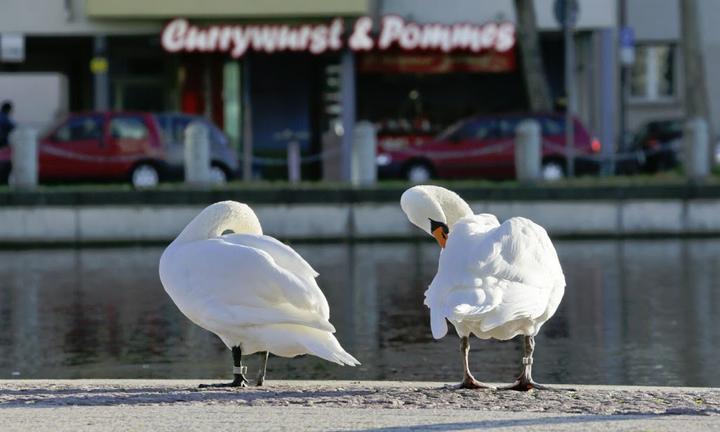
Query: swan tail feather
{"type": "Point", "coordinates": [327, 347]}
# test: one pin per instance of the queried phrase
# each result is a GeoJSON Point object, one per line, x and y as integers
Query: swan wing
{"type": "Point", "coordinates": [307, 294]}
{"type": "Point", "coordinates": [494, 276]}
{"type": "Point", "coordinates": [224, 284]}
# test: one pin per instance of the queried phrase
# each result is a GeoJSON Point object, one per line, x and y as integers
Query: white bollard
{"type": "Point", "coordinates": [364, 154]}
{"type": "Point", "coordinates": [293, 161]}
{"type": "Point", "coordinates": [528, 152]}
{"type": "Point", "coordinates": [197, 154]}
{"type": "Point", "coordinates": [24, 172]}
{"type": "Point", "coordinates": [696, 142]}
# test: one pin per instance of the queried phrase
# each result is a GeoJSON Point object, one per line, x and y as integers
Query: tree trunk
{"type": "Point", "coordinates": [537, 85]}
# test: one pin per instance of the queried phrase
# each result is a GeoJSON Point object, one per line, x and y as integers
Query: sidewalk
{"type": "Point", "coordinates": [161, 405]}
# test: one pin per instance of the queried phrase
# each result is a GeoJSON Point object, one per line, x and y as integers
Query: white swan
{"type": "Point", "coordinates": [256, 293]}
{"type": "Point", "coordinates": [494, 281]}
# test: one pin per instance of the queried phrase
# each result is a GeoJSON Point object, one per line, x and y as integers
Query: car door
{"type": "Point", "coordinates": [128, 139]}
{"type": "Point", "coordinates": [459, 153]}
{"type": "Point", "coordinates": [74, 150]}
{"type": "Point", "coordinates": [504, 158]}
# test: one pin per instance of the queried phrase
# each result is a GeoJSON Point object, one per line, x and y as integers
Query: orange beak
{"type": "Point", "coordinates": [440, 236]}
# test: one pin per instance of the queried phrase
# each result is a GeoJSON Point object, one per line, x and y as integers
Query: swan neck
{"type": "Point", "coordinates": [213, 222]}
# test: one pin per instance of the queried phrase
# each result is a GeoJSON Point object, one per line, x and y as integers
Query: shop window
{"type": "Point", "coordinates": [652, 75]}
{"type": "Point", "coordinates": [80, 128]}
{"type": "Point", "coordinates": [130, 128]}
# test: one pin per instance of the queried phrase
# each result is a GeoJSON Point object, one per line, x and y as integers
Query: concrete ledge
{"type": "Point", "coordinates": [329, 194]}
{"type": "Point", "coordinates": [354, 221]}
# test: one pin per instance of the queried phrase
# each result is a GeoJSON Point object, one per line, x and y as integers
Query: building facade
{"type": "Point", "coordinates": [300, 71]}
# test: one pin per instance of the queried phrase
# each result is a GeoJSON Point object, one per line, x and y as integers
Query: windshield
{"type": "Point", "coordinates": [44, 132]}
{"type": "Point", "coordinates": [449, 132]}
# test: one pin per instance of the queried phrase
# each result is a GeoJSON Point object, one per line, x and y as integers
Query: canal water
{"type": "Point", "coordinates": [634, 312]}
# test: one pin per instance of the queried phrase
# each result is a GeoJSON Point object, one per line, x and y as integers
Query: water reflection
{"type": "Point", "coordinates": [635, 312]}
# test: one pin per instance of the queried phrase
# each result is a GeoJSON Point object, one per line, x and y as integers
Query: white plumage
{"type": "Point", "coordinates": [494, 280]}
{"type": "Point", "coordinates": [251, 290]}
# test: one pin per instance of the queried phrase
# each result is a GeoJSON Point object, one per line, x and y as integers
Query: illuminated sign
{"type": "Point", "coordinates": [179, 35]}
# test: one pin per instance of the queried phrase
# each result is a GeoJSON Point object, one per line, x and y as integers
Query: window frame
{"type": "Point", "coordinates": [646, 98]}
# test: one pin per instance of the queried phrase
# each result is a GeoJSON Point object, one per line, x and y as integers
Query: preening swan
{"type": "Point", "coordinates": [256, 293]}
{"type": "Point", "coordinates": [494, 280]}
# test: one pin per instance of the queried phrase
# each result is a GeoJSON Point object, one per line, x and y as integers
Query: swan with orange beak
{"type": "Point", "coordinates": [494, 280]}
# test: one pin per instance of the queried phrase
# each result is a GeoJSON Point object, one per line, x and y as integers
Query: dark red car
{"type": "Point", "coordinates": [100, 146]}
{"type": "Point", "coordinates": [142, 148]}
{"type": "Point", "coordinates": [484, 147]}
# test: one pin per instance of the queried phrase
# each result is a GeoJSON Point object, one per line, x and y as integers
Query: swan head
{"type": "Point", "coordinates": [434, 210]}
{"type": "Point", "coordinates": [220, 217]}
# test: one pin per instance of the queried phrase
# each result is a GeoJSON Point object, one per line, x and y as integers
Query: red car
{"type": "Point", "coordinates": [121, 146]}
{"type": "Point", "coordinates": [484, 147]}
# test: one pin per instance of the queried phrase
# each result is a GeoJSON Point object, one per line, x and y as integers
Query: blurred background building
{"type": "Point", "coordinates": [76, 55]}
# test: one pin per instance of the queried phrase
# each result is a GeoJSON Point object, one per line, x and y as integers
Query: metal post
{"type": "Point", "coordinates": [347, 96]}
{"type": "Point", "coordinates": [24, 145]}
{"type": "Point", "coordinates": [528, 152]}
{"type": "Point", "coordinates": [197, 154]}
{"type": "Point", "coordinates": [569, 92]}
{"type": "Point", "coordinates": [624, 79]}
{"type": "Point", "coordinates": [696, 143]}
{"type": "Point", "coordinates": [247, 140]}
{"type": "Point", "coordinates": [293, 161]}
{"type": "Point", "coordinates": [101, 86]}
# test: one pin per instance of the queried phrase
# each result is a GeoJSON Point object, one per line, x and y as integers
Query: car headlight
{"type": "Point", "coordinates": [383, 159]}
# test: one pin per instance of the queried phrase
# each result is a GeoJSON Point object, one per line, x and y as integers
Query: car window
{"type": "Point", "coordinates": [475, 130]}
{"type": "Point", "coordinates": [173, 129]}
{"type": "Point", "coordinates": [507, 127]}
{"type": "Point", "coordinates": [662, 129]}
{"type": "Point", "coordinates": [128, 128]}
{"type": "Point", "coordinates": [80, 128]}
{"type": "Point", "coordinates": [218, 137]}
{"type": "Point", "coordinates": [178, 128]}
{"type": "Point", "coordinates": [552, 126]}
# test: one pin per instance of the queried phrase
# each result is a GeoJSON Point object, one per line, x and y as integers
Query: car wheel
{"type": "Point", "coordinates": [418, 173]}
{"type": "Point", "coordinates": [553, 171]}
{"type": "Point", "coordinates": [218, 175]}
{"type": "Point", "coordinates": [145, 176]}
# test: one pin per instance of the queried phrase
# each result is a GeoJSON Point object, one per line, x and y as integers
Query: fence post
{"type": "Point", "coordinates": [197, 154]}
{"type": "Point", "coordinates": [24, 145]}
{"type": "Point", "coordinates": [293, 161]}
{"type": "Point", "coordinates": [528, 159]}
{"type": "Point", "coordinates": [364, 154]}
{"type": "Point", "coordinates": [696, 143]}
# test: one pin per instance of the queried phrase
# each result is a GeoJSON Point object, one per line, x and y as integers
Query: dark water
{"type": "Point", "coordinates": [634, 312]}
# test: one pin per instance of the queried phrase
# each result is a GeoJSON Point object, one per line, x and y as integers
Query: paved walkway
{"type": "Point", "coordinates": [172, 405]}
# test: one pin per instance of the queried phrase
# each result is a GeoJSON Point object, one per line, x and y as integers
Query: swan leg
{"type": "Point", "coordinates": [469, 381]}
{"type": "Point", "coordinates": [525, 381]}
{"type": "Point", "coordinates": [238, 371]}
{"type": "Point", "coordinates": [261, 375]}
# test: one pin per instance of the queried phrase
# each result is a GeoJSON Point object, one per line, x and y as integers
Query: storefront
{"type": "Point", "coordinates": [265, 81]}
{"type": "Point", "coordinates": [263, 69]}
